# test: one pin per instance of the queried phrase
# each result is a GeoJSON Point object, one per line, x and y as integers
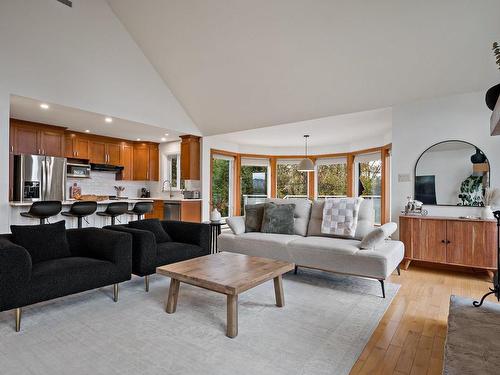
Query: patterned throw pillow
{"type": "Point", "coordinates": [340, 216]}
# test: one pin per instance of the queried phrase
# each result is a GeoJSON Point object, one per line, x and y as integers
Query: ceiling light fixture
{"type": "Point", "coordinates": [44, 106]}
{"type": "Point", "coordinates": [138, 139]}
{"type": "Point", "coordinates": [166, 134]}
{"type": "Point", "coordinates": [306, 164]}
{"type": "Point", "coordinates": [163, 139]}
{"type": "Point", "coordinates": [108, 119]}
{"type": "Point", "coordinates": [87, 131]}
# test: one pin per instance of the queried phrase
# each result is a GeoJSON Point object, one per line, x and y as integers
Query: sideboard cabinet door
{"type": "Point", "coordinates": [430, 244]}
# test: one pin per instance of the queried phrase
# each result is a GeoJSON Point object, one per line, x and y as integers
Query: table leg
{"type": "Point", "coordinates": [278, 290]}
{"type": "Point", "coordinates": [232, 316]}
{"type": "Point", "coordinates": [173, 293]}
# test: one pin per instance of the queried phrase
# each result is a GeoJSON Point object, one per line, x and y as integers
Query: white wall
{"type": "Point", "coordinates": [418, 125]}
{"type": "Point", "coordinates": [80, 57]}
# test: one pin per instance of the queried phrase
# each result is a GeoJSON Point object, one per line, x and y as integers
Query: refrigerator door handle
{"type": "Point", "coordinates": [43, 190]}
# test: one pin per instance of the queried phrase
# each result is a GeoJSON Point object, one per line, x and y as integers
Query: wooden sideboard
{"type": "Point", "coordinates": [447, 240]}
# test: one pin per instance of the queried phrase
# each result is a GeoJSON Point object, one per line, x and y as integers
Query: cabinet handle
{"type": "Point", "coordinates": [11, 148]}
{"type": "Point", "coordinates": [443, 241]}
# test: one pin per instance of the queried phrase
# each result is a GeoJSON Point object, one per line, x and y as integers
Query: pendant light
{"type": "Point", "coordinates": [306, 164]}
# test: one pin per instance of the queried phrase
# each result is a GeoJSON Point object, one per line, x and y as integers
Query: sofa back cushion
{"type": "Point", "coordinates": [301, 213]}
{"type": "Point", "coordinates": [365, 219]}
{"type": "Point", "coordinates": [278, 218]}
{"type": "Point", "coordinates": [43, 242]}
{"type": "Point", "coordinates": [154, 226]}
{"type": "Point", "coordinates": [253, 217]}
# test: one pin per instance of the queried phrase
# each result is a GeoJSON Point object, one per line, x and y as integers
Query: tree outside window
{"type": "Point", "coordinates": [370, 184]}
{"type": "Point", "coordinates": [253, 185]}
{"type": "Point", "coordinates": [221, 185]}
{"type": "Point", "coordinates": [332, 179]}
{"type": "Point", "coordinates": [289, 181]}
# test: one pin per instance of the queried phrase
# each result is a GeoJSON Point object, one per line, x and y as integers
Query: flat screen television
{"type": "Point", "coordinates": [425, 189]}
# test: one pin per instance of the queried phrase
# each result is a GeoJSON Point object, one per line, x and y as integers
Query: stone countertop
{"type": "Point", "coordinates": [71, 201]}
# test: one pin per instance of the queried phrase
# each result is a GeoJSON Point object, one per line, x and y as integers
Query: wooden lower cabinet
{"type": "Point", "coordinates": [157, 212]}
{"type": "Point", "coordinates": [191, 211]}
{"type": "Point", "coordinates": [470, 243]}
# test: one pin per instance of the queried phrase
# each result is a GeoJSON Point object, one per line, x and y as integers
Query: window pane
{"type": "Point", "coordinates": [173, 166]}
{"type": "Point", "coordinates": [290, 182]}
{"type": "Point", "coordinates": [332, 180]}
{"type": "Point", "coordinates": [221, 185]}
{"type": "Point", "coordinates": [253, 185]}
{"type": "Point", "coordinates": [370, 184]}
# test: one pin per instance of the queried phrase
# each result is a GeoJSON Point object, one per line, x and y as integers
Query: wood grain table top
{"type": "Point", "coordinates": [227, 273]}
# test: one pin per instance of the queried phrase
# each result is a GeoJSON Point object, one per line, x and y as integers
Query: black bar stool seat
{"type": "Point", "coordinates": [113, 210]}
{"type": "Point", "coordinates": [140, 209]}
{"type": "Point", "coordinates": [81, 210]}
{"type": "Point", "coordinates": [42, 210]}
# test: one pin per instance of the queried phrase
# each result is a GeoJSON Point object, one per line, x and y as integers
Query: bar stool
{"type": "Point", "coordinates": [113, 210]}
{"type": "Point", "coordinates": [81, 210]}
{"type": "Point", "coordinates": [141, 208]}
{"type": "Point", "coordinates": [42, 210]}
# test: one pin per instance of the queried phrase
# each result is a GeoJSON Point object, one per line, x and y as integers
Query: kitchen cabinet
{"type": "Point", "coordinates": [37, 139]}
{"type": "Point", "coordinates": [127, 161]}
{"type": "Point", "coordinates": [183, 210]}
{"type": "Point", "coordinates": [77, 146]}
{"type": "Point", "coordinates": [447, 240]}
{"type": "Point", "coordinates": [190, 157]}
{"type": "Point", "coordinates": [102, 152]}
{"type": "Point", "coordinates": [146, 162]}
{"type": "Point", "coordinates": [157, 212]}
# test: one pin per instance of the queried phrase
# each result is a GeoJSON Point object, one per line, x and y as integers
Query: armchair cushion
{"type": "Point", "coordinates": [154, 226]}
{"type": "Point", "coordinates": [43, 242]}
{"type": "Point", "coordinates": [171, 252]}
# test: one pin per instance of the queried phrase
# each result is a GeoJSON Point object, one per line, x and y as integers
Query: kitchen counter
{"type": "Point", "coordinates": [171, 199]}
{"type": "Point", "coordinates": [71, 201]}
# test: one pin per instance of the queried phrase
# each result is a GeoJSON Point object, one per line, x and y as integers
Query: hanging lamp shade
{"type": "Point", "coordinates": [306, 164]}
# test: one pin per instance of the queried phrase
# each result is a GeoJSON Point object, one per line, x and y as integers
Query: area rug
{"type": "Point", "coordinates": [325, 324]}
{"type": "Point", "coordinates": [473, 341]}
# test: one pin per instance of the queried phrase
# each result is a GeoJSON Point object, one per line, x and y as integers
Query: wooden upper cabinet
{"type": "Point", "coordinates": [113, 151]}
{"type": "Point", "coordinates": [68, 146]}
{"type": "Point", "coordinates": [34, 138]}
{"type": "Point", "coordinates": [97, 152]}
{"type": "Point", "coordinates": [146, 162]}
{"type": "Point", "coordinates": [127, 161]}
{"type": "Point", "coordinates": [190, 157]}
{"type": "Point", "coordinates": [77, 146]}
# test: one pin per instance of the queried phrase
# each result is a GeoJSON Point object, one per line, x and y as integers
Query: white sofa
{"type": "Point", "coordinates": [310, 248]}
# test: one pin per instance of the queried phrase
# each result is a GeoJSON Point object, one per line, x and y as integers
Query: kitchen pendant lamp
{"type": "Point", "coordinates": [306, 164]}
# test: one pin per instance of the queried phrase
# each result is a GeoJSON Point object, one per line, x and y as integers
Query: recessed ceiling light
{"type": "Point", "coordinates": [87, 131]}
{"type": "Point", "coordinates": [108, 119]}
{"type": "Point", "coordinates": [166, 134]}
{"type": "Point", "coordinates": [163, 139]}
{"type": "Point", "coordinates": [138, 139]}
{"type": "Point", "coordinates": [44, 106]}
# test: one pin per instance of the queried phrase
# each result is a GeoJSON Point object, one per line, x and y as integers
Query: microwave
{"type": "Point", "coordinates": [74, 170]}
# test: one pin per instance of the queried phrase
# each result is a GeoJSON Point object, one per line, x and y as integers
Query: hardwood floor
{"type": "Point", "coordinates": [410, 337]}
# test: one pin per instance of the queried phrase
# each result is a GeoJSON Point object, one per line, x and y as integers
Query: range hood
{"type": "Point", "coordinates": [106, 168]}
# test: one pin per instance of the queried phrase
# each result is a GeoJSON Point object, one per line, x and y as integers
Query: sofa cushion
{"type": "Point", "coordinates": [278, 219]}
{"type": "Point", "coordinates": [344, 256]}
{"type": "Point", "coordinates": [171, 252]}
{"type": "Point", "coordinates": [43, 242]}
{"type": "Point", "coordinates": [236, 224]}
{"type": "Point", "coordinates": [365, 219]}
{"type": "Point", "coordinates": [154, 226]}
{"type": "Point", "coordinates": [254, 213]}
{"type": "Point", "coordinates": [266, 245]}
{"type": "Point", "coordinates": [373, 239]}
{"type": "Point", "coordinates": [301, 214]}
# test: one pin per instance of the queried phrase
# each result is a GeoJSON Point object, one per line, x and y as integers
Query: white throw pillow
{"type": "Point", "coordinates": [236, 224]}
{"type": "Point", "coordinates": [373, 239]}
{"type": "Point", "coordinates": [389, 229]}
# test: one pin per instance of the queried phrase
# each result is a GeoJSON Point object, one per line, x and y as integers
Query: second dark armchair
{"type": "Point", "coordinates": [156, 243]}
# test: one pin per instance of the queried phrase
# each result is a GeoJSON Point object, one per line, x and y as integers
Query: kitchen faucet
{"type": "Point", "coordinates": [169, 188]}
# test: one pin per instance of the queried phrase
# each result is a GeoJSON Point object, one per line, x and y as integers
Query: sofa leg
{"type": "Point", "coordinates": [19, 313]}
{"type": "Point", "coordinates": [115, 292]}
{"type": "Point", "coordinates": [295, 270]}
{"type": "Point", "coordinates": [383, 288]}
{"type": "Point", "coordinates": [399, 270]}
{"type": "Point", "coordinates": [146, 282]}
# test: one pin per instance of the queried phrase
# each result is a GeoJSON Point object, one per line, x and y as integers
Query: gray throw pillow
{"type": "Point", "coordinates": [373, 239]}
{"type": "Point", "coordinates": [278, 218]}
{"type": "Point", "coordinates": [253, 217]}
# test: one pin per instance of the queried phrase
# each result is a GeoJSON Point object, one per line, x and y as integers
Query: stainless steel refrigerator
{"type": "Point", "coordinates": [38, 177]}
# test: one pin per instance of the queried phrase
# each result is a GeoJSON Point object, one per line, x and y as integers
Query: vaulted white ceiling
{"type": "Point", "coordinates": [241, 64]}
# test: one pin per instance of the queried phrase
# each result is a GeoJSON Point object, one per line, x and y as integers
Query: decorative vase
{"type": "Point", "coordinates": [487, 213]}
{"type": "Point", "coordinates": [492, 96]}
{"type": "Point", "coordinates": [215, 215]}
{"type": "Point", "coordinates": [478, 158]}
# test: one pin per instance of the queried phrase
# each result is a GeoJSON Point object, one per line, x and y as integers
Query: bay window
{"type": "Point", "coordinates": [368, 180]}
{"type": "Point", "coordinates": [331, 177]}
{"type": "Point", "coordinates": [254, 180]}
{"type": "Point", "coordinates": [222, 184]}
{"type": "Point", "coordinates": [290, 183]}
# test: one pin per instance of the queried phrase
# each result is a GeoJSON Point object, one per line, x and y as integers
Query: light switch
{"type": "Point", "coordinates": [404, 177]}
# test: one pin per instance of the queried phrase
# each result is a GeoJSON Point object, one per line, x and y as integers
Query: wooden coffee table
{"type": "Point", "coordinates": [226, 273]}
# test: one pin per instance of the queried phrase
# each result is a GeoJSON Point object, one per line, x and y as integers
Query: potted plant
{"type": "Point", "coordinates": [493, 93]}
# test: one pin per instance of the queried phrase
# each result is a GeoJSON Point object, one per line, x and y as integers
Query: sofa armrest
{"type": "Point", "coordinates": [190, 233]}
{"type": "Point", "coordinates": [237, 224]}
{"type": "Point", "coordinates": [15, 271]}
{"type": "Point", "coordinates": [103, 244]}
{"type": "Point", "coordinates": [144, 249]}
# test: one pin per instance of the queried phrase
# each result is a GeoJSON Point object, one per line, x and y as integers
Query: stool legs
{"type": "Point", "coordinates": [113, 220]}
{"type": "Point", "coordinates": [80, 222]}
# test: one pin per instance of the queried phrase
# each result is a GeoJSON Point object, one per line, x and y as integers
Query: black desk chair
{"type": "Point", "coordinates": [42, 210]}
{"type": "Point", "coordinates": [140, 209]}
{"type": "Point", "coordinates": [113, 210]}
{"type": "Point", "coordinates": [81, 210]}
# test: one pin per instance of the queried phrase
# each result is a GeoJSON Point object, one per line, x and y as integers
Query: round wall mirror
{"type": "Point", "coordinates": [452, 173]}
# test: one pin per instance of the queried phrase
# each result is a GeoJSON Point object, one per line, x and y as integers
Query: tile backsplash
{"type": "Point", "coordinates": [102, 183]}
